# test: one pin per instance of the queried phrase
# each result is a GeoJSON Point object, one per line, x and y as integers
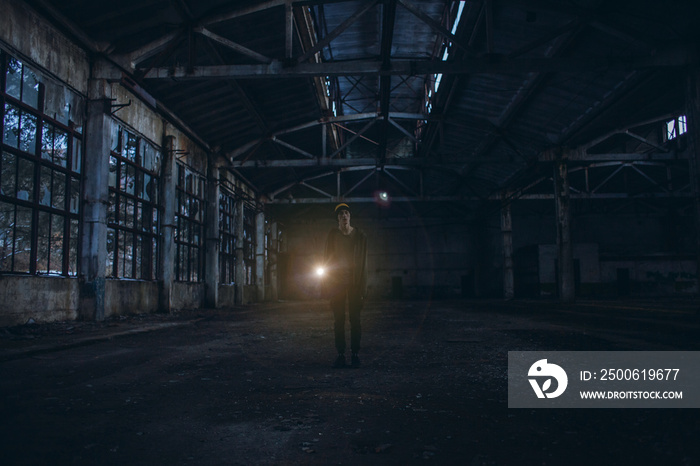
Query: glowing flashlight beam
{"type": "Point", "coordinates": [320, 272]}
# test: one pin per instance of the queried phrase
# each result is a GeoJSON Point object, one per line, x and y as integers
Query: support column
{"type": "Point", "coordinates": [272, 260]}
{"type": "Point", "coordinates": [212, 238]}
{"type": "Point", "coordinates": [260, 255]}
{"type": "Point", "coordinates": [95, 201]}
{"type": "Point", "coordinates": [507, 232]}
{"type": "Point", "coordinates": [565, 247]}
{"type": "Point", "coordinates": [481, 248]}
{"type": "Point", "coordinates": [692, 105]}
{"type": "Point", "coordinates": [168, 249]}
{"type": "Point", "coordinates": [240, 264]}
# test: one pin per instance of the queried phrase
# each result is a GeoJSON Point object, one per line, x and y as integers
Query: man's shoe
{"type": "Point", "coordinates": [339, 361]}
{"type": "Point", "coordinates": [355, 361]}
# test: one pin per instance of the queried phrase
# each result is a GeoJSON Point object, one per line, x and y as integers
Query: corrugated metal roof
{"type": "Point", "coordinates": [487, 126]}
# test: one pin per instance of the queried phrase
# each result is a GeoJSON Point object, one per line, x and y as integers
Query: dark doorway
{"type": "Point", "coordinates": [526, 272]}
{"type": "Point", "coordinates": [468, 285]}
{"type": "Point", "coordinates": [623, 282]}
{"type": "Point", "coordinates": [396, 287]}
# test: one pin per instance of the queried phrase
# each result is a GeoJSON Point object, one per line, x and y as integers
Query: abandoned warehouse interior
{"type": "Point", "coordinates": [526, 173]}
{"type": "Point", "coordinates": [160, 156]}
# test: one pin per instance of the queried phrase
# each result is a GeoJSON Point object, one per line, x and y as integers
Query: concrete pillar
{"type": "Point", "coordinates": [481, 248]}
{"type": "Point", "coordinates": [272, 260]}
{"type": "Point", "coordinates": [692, 105]}
{"type": "Point", "coordinates": [212, 234]}
{"type": "Point", "coordinates": [565, 247]}
{"type": "Point", "coordinates": [260, 255]}
{"type": "Point", "coordinates": [240, 265]}
{"type": "Point", "coordinates": [167, 222]}
{"type": "Point", "coordinates": [507, 233]}
{"type": "Point", "coordinates": [95, 201]}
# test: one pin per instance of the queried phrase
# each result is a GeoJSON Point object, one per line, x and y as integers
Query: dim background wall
{"type": "Point", "coordinates": [407, 258]}
{"type": "Point", "coordinates": [655, 248]}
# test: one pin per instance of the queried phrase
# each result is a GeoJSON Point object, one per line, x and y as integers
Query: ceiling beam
{"type": "Point", "coordinates": [362, 199]}
{"type": "Point", "coordinates": [495, 198]}
{"type": "Point", "coordinates": [492, 64]}
{"type": "Point", "coordinates": [337, 31]}
{"type": "Point", "coordinates": [232, 45]}
{"type": "Point", "coordinates": [633, 80]}
{"type": "Point", "coordinates": [473, 18]}
{"type": "Point", "coordinates": [353, 138]}
{"type": "Point", "coordinates": [582, 156]}
{"type": "Point", "coordinates": [530, 87]}
{"type": "Point", "coordinates": [234, 154]}
{"type": "Point", "coordinates": [214, 18]}
{"type": "Point", "coordinates": [149, 50]}
{"type": "Point", "coordinates": [388, 22]}
{"type": "Point", "coordinates": [353, 164]}
{"type": "Point", "coordinates": [436, 26]}
{"type": "Point", "coordinates": [575, 156]}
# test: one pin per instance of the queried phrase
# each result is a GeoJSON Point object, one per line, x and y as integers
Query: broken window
{"type": "Point", "coordinates": [134, 207]}
{"type": "Point", "coordinates": [40, 178]}
{"type": "Point", "coordinates": [189, 225]}
{"type": "Point", "coordinates": [249, 244]}
{"type": "Point", "coordinates": [227, 235]}
{"type": "Point", "coordinates": [676, 127]}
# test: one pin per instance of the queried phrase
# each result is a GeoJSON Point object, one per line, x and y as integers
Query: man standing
{"type": "Point", "coordinates": [346, 260]}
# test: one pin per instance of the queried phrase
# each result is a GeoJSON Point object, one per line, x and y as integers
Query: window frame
{"type": "Point", "coordinates": [69, 173]}
{"type": "Point", "coordinates": [145, 243]}
{"type": "Point", "coordinates": [227, 236]}
{"type": "Point", "coordinates": [191, 267]}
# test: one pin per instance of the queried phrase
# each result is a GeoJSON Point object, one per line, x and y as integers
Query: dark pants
{"type": "Point", "coordinates": [338, 299]}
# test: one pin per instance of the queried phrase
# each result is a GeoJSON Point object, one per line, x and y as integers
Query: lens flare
{"type": "Point", "coordinates": [320, 271]}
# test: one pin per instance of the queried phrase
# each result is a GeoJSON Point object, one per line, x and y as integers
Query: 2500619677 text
{"type": "Point", "coordinates": [631, 374]}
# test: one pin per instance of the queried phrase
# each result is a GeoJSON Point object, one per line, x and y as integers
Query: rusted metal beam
{"type": "Point", "coordinates": [435, 26]}
{"type": "Point", "coordinates": [481, 65]}
{"type": "Point", "coordinates": [337, 31]}
{"type": "Point", "coordinates": [232, 45]}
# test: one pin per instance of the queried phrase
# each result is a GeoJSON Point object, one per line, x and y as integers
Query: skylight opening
{"type": "Point", "coordinates": [459, 16]}
{"type": "Point", "coordinates": [327, 86]}
{"type": "Point", "coordinates": [676, 127]}
{"type": "Point", "coordinates": [437, 78]}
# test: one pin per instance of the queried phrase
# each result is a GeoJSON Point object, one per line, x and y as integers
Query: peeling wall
{"type": "Point", "coordinates": [188, 151]}
{"type": "Point", "coordinates": [44, 299]}
{"type": "Point", "coordinates": [237, 183]}
{"type": "Point", "coordinates": [137, 115]}
{"type": "Point", "coordinates": [250, 294]}
{"type": "Point", "coordinates": [227, 295]}
{"type": "Point", "coordinates": [188, 295]}
{"type": "Point", "coordinates": [30, 36]}
{"type": "Point", "coordinates": [123, 297]}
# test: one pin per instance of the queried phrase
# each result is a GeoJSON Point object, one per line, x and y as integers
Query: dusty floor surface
{"type": "Point", "coordinates": [254, 385]}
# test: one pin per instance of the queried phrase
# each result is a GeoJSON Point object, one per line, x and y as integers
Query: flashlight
{"type": "Point", "coordinates": [320, 271]}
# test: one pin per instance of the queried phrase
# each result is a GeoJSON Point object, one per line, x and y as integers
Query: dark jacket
{"type": "Point", "coordinates": [359, 265]}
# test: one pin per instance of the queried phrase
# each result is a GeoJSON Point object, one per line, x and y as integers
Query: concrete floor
{"type": "Point", "coordinates": [254, 385]}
